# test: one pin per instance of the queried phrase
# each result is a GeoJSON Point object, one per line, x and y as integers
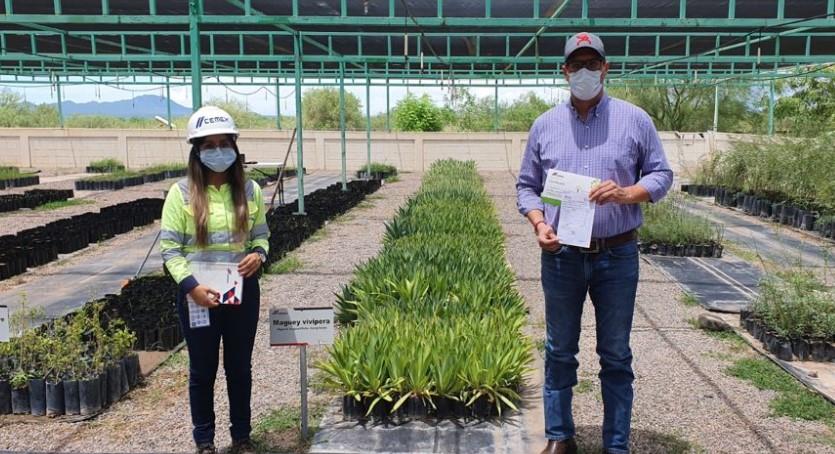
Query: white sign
{"type": "Point", "coordinates": [301, 326]}
{"type": "Point", "coordinates": [4, 323]}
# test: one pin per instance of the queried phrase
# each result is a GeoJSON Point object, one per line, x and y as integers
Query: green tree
{"type": "Point", "coordinates": [321, 110]}
{"type": "Point", "coordinates": [520, 115]}
{"type": "Point", "coordinates": [417, 114]}
{"type": "Point", "coordinates": [470, 113]}
{"type": "Point", "coordinates": [808, 106]}
{"type": "Point", "coordinates": [15, 113]}
{"type": "Point", "coordinates": [689, 107]}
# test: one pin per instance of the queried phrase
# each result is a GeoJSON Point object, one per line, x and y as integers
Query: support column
{"type": "Point", "coordinates": [368, 124]}
{"type": "Point", "coordinates": [168, 102]}
{"type": "Point", "coordinates": [60, 101]}
{"type": "Point", "coordinates": [771, 108]}
{"type": "Point", "coordinates": [496, 106]}
{"type": "Point", "coordinates": [716, 108]}
{"type": "Point", "coordinates": [277, 104]}
{"type": "Point", "coordinates": [194, 12]}
{"type": "Point", "coordinates": [297, 48]}
{"type": "Point", "coordinates": [388, 108]}
{"type": "Point", "coordinates": [342, 125]}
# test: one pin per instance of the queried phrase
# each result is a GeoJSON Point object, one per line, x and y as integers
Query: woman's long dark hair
{"type": "Point", "coordinates": [198, 182]}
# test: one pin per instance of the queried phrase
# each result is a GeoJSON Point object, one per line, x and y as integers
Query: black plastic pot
{"type": "Point", "coordinates": [352, 408]}
{"type": "Point", "coordinates": [89, 396]}
{"type": "Point", "coordinates": [417, 408]}
{"type": "Point", "coordinates": [382, 410]}
{"type": "Point", "coordinates": [820, 351]}
{"type": "Point", "coordinates": [104, 389]}
{"type": "Point", "coordinates": [114, 383]}
{"type": "Point", "coordinates": [808, 222]}
{"type": "Point", "coordinates": [72, 404]}
{"type": "Point", "coordinates": [132, 366]}
{"type": "Point", "coordinates": [483, 408]}
{"type": "Point", "coordinates": [37, 396]}
{"type": "Point", "coordinates": [444, 407]}
{"type": "Point", "coordinates": [765, 208]}
{"type": "Point", "coordinates": [787, 215]}
{"type": "Point", "coordinates": [460, 410]}
{"type": "Point", "coordinates": [717, 251]}
{"type": "Point", "coordinates": [55, 405]}
{"type": "Point", "coordinates": [800, 349]}
{"type": "Point", "coordinates": [5, 397]}
{"type": "Point", "coordinates": [20, 401]}
{"type": "Point", "coordinates": [123, 371]}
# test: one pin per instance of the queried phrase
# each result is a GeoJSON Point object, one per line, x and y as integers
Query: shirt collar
{"type": "Point", "coordinates": [595, 111]}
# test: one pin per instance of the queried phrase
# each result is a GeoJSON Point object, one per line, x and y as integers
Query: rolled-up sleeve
{"type": "Point", "coordinates": [529, 183]}
{"type": "Point", "coordinates": [656, 174]}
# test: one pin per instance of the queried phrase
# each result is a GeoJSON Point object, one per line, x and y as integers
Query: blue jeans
{"type": "Point", "coordinates": [611, 279]}
{"type": "Point", "coordinates": [236, 325]}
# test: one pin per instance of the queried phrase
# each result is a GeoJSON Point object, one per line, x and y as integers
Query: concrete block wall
{"type": "Point", "coordinates": [75, 148]}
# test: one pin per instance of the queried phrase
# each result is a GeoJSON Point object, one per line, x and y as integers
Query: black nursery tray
{"type": "Point", "coordinates": [40, 245]}
{"type": "Point", "coordinates": [794, 349]}
{"type": "Point", "coordinates": [20, 182]}
{"type": "Point", "coordinates": [33, 199]}
{"type": "Point", "coordinates": [682, 250]}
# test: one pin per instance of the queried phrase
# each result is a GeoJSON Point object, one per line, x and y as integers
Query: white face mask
{"type": "Point", "coordinates": [585, 84]}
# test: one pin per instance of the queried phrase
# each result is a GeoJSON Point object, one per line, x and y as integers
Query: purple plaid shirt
{"type": "Point", "coordinates": [617, 142]}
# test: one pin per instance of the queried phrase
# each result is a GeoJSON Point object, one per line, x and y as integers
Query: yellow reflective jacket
{"type": "Point", "coordinates": [178, 241]}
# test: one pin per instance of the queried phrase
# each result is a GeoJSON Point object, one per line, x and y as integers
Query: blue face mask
{"type": "Point", "coordinates": [218, 159]}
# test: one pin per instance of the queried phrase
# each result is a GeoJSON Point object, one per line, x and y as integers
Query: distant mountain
{"type": "Point", "coordinates": [145, 106]}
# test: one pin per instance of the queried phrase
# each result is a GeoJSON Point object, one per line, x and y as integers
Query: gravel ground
{"type": "Point", "coordinates": [683, 400]}
{"type": "Point", "coordinates": [155, 418]}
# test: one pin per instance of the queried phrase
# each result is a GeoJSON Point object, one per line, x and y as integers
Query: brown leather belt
{"type": "Point", "coordinates": [598, 245]}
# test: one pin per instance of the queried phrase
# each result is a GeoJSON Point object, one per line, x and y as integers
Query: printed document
{"type": "Point", "coordinates": [219, 276]}
{"type": "Point", "coordinates": [570, 192]}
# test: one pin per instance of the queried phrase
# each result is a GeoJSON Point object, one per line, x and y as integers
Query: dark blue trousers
{"type": "Point", "coordinates": [236, 325]}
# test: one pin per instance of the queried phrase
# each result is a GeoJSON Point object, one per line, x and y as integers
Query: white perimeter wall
{"type": "Point", "coordinates": [75, 148]}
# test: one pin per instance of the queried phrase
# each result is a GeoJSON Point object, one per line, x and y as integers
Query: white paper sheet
{"type": "Point", "coordinates": [570, 192]}
{"type": "Point", "coordinates": [219, 276]}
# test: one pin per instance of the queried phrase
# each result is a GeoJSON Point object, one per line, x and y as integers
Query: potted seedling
{"type": "Point", "coordinates": [20, 393]}
{"type": "Point", "coordinates": [5, 378]}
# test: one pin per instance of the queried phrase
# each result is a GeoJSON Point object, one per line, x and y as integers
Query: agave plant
{"type": "Point", "coordinates": [434, 314]}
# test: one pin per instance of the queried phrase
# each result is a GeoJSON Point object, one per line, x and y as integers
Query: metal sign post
{"type": "Point", "coordinates": [301, 327]}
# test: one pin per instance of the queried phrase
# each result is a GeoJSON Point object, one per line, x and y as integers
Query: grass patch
{"type": "Point", "coordinates": [392, 179]}
{"type": "Point", "coordinates": [178, 360]}
{"type": "Point", "coordinates": [793, 399]}
{"type": "Point", "coordinates": [689, 300]}
{"type": "Point", "coordinates": [746, 254]}
{"type": "Point", "coordinates": [279, 431]}
{"type": "Point", "coordinates": [584, 386]}
{"type": "Point", "coordinates": [286, 265]}
{"type": "Point", "coordinates": [734, 341]}
{"type": "Point", "coordinates": [62, 204]}
{"type": "Point", "coordinates": [318, 235]}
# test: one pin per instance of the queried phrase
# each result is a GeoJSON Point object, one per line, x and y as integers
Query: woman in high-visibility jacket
{"type": "Point", "coordinates": [215, 215]}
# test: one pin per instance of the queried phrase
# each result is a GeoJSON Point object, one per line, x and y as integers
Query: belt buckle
{"type": "Point", "coordinates": [594, 247]}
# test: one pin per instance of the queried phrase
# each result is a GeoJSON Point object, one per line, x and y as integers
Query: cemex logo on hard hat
{"type": "Point", "coordinates": [210, 120]}
{"type": "Point", "coordinates": [583, 38]}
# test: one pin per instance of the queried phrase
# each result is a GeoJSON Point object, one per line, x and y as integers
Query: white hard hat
{"type": "Point", "coordinates": [208, 121]}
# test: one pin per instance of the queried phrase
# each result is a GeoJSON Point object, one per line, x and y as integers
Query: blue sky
{"type": "Point", "coordinates": [259, 99]}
